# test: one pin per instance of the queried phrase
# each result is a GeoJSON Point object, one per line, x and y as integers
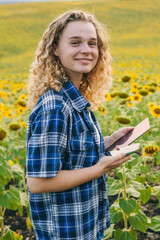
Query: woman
{"type": "Point", "coordinates": [66, 160]}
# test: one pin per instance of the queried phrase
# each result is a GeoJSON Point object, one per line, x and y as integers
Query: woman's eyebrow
{"type": "Point", "coordinates": [78, 37]}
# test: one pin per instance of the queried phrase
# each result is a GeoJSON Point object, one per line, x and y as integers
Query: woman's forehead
{"type": "Point", "coordinates": [79, 29]}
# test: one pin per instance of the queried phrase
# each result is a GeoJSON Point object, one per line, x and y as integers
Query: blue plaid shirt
{"type": "Point", "coordinates": [63, 133]}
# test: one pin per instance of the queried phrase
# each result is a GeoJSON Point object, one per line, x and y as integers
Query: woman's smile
{"type": "Point", "coordinates": [84, 60]}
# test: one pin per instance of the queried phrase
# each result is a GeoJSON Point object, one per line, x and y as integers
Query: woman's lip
{"type": "Point", "coordinates": [83, 59]}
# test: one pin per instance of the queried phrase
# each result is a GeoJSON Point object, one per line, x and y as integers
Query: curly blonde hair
{"type": "Point", "coordinates": [47, 71]}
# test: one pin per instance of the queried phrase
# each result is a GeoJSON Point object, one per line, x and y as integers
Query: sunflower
{"type": "Point", "coordinates": [20, 103]}
{"type": "Point", "coordinates": [24, 124]}
{"type": "Point", "coordinates": [102, 110]}
{"type": "Point", "coordinates": [134, 91]}
{"type": "Point", "coordinates": [108, 97]}
{"type": "Point", "coordinates": [129, 102]}
{"type": "Point", "coordinates": [113, 94]}
{"type": "Point", "coordinates": [20, 110]}
{"type": "Point", "coordinates": [123, 120]}
{"type": "Point", "coordinates": [8, 115]}
{"type": "Point", "coordinates": [150, 149]}
{"type": "Point", "coordinates": [146, 86]}
{"type": "Point", "coordinates": [3, 94]}
{"type": "Point", "coordinates": [22, 97]}
{"type": "Point", "coordinates": [137, 97]}
{"type": "Point", "coordinates": [155, 111]}
{"type": "Point", "coordinates": [150, 104]}
{"type": "Point", "coordinates": [134, 85]}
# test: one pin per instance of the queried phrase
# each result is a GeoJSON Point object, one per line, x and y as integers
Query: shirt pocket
{"type": "Point", "coordinates": [82, 142]}
{"type": "Point", "coordinates": [82, 148]}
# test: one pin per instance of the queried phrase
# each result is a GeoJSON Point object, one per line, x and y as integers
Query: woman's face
{"type": "Point", "coordinates": [77, 48]}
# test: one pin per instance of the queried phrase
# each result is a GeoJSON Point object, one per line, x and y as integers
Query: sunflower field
{"type": "Point", "coordinates": [133, 188]}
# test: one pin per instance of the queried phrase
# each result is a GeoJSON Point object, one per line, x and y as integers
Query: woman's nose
{"type": "Point", "coordinates": [85, 48]}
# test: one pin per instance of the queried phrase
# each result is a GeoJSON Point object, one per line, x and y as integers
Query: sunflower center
{"type": "Point", "coordinates": [157, 110]}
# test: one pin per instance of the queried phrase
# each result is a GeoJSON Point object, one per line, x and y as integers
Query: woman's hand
{"type": "Point", "coordinates": [108, 163]}
{"type": "Point", "coordinates": [110, 140]}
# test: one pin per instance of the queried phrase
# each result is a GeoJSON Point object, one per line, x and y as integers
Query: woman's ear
{"type": "Point", "coordinates": [55, 50]}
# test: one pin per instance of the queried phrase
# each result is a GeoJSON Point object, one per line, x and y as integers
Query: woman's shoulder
{"type": "Point", "coordinates": [49, 101]}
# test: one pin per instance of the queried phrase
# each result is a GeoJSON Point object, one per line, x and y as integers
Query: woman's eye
{"type": "Point", "coordinates": [75, 43]}
{"type": "Point", "coordinates": [92, 43]}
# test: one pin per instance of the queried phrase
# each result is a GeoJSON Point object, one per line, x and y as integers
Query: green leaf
{"type": "Point", "coordinates": [157, 189]}
{"type": "Point", "coordinates": [120, 175]}
{"type": "Point", "coordinates": [17, 171]}
{"type": "Point", "coordinates": [158, 158]}
{"type": "Point", "coordinates": [133, 192]}
{"type": "Point", "coordinates": [1, 188]}
{"type": "Point", "coordinates": [158, 176]}
{"type": "Point", "coordinates": [145, 195]}
{"type": "Point", "coordinates": [10, 199]}
{"type": "Point", "coordinates": [20, 210]}
{"type": "Point", "coordinates": [137, 185]}
{"type": "Point", "coordinates": [133, 234]}
{"type": "Point", "coordinates": [137, 208]}
{"type": "Point", "coordinates": [125, 235]}
{"type": "Point", "coordinates": [140, 179]}
{"type": "Point", "coordinates": [5, 170]}
{"type": "Point", "coordinates": [138, 221]}
{"type": "Point", "coordinates": [116, 215]}
{"type": "Point", "coordinates": [110, 180]}
{"type": "Point", "coordinates": [118, 233]}
{"type": "Point", "coordinates": [4, 181]}
{"type": "Point", "coordinates": [132, 162]}
{"type": "Point", "coordinates": [108, 233]}
{"type": "Point", "coordinates": [127, 205]}
{"type": "Point", "coordinates": [155, 224]}
{"type": "Point", "coordinates": [114, 187]}
{"type": "Point", "coordinates": [145, 169]}
{"type": "Point", "coordinates": [24, 199]}
{"type": "Point", "coordinates": [152, 177]}
{"type": "Point", "coordinates": [8, 236]}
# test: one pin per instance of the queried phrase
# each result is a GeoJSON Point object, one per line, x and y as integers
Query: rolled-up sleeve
{"type": "Point", "coordinates": [46, 144]}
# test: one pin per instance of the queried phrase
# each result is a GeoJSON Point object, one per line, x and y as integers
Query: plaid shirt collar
{"type": "Point", "coordinates": [76, 98]}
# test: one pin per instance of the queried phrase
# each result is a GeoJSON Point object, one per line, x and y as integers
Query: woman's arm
{"type": "Point", "coordinates": [67, 179]}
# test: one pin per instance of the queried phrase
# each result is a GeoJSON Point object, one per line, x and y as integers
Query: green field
{"type": "Point", "coordinates": [133, 26]}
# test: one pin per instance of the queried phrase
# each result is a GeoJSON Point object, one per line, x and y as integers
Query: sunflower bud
{"type": "Point", "coordinates": [122, 95]}
{"type": "Point", "coordinates": [3, 133]}
{"type": "Point", "coordinates": [143, 92]}
{"type": "Point", "coordinates": [126, 79]}
{"type": "Point", "coordinates": [123, 120]}
{"type": "Point", "coordinates": [14, 126]}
